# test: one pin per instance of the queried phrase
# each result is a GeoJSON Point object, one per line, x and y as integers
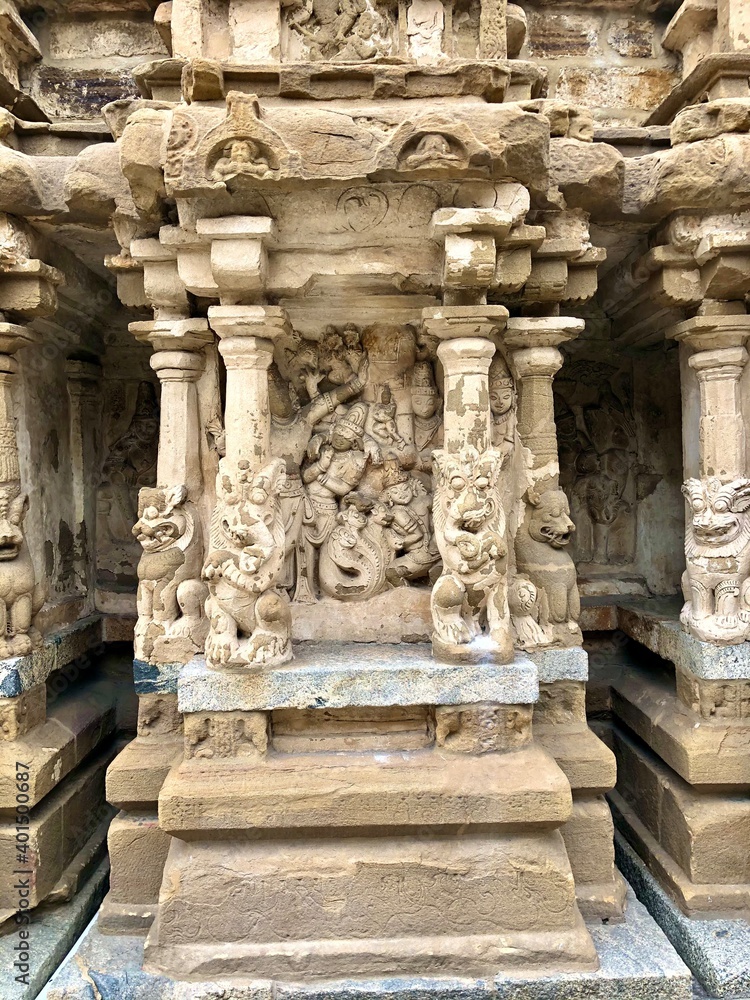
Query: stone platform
{"type": "Point", "coordinates": [717, 951]}
{"type": "Point", "coordinates": [636, 961]}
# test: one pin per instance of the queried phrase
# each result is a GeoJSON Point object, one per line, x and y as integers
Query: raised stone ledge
{"type": "Point", "coordinates": [341, 675]}
{"type": "Point", "coordinates": [21, 673]}
{"type": "Point", "coordinates": [655, 624]}
{"type": "Point", "coordinates": [561, 664]}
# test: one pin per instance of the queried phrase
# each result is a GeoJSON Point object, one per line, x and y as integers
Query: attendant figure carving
{"type": "Point", "coordinates": [21, 598]}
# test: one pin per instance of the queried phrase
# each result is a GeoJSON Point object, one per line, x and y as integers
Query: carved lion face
{"type": "Point", "coordinates": [466, 485]}
{"type": "Point", "coordinates": [13, 507]}
{"type": "Point", "coordinates": [162, 520]}
{"type": "Point", "coordinates": [549, 520]}
{"type": "Point", "coordinates": [716, 509]}
{"type": "Point", "coordinates": [250, 508]}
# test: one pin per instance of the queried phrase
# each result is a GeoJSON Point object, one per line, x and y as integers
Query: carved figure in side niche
{"type": "Point", "coordinates": [365, 41]}
{"type": "Point", "coordinates": [290, 435]}
{"type": "Point", "coordinates": [717, 551]}
{"type": "Point", "coordinates": [410, 507]}
{"type": "Point", "coordinates": [21, 598]}
{"type": "Point", "coordinates": [241, 157]}
{"type": "Point", "coordinates": [131, 463]}
{"type": "Point", "coordinates": [355, 556]}
{"type": "Point", "coordinates": [433, 149]}
{"type": "Point", "coordinates": [384, 427]}
{"type": "Point", "coordinates": [337, 462]}
{"type": "Point", "coordinates": [428, 415]}
{"type": "Point", "coordinates": [502, 406]}
{"type": "Point", "coordinates": [523, 600]}
{"type": "Point", "coordinates": [470, 533]}
{"type": "Point", "coordinates": [171, 595]}
{"type": "Point", "coordinates": [250, 619]}
{"type": "Point", "coordinates": [541, 557]}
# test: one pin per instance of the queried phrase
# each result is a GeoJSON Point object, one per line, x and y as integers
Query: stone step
{"type": "Point", "coordinates": [135, 777]}
{"type": "Point", "coordinates": [282, 792]}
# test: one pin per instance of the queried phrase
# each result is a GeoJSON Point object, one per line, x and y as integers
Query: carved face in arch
{"type": "Point", "coordinates": [549, 519]}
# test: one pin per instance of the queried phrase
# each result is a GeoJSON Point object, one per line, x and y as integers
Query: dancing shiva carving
{"type": "Point", "coordinates": [250, 618]}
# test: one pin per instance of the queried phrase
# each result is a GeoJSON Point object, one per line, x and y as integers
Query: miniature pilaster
{"type": "Point", "coordinates": [546, 530]}
{"type": "Point", "coordinates": [716, 588]}
{"type": "Point", "coordinates": [250, 616]}
{"type": "Point", "coordinates": [172, 625]}
{"type": "Point", "coordinates": [468, 513]}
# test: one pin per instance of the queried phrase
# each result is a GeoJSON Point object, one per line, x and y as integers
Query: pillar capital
{"type": "Point", "coordinates": [723, 362]}
{"type": "Point", "coordinates": [13, 337]}
{"type": "Point", "coordinates": [257, 322]}
{"type": "Point", "coordinates": [712, 332]}
{"type": "Point", "coordinates": [524, 332]}
{"type": "Point", "coordinates": [178, 366]}
{"type": "Point", "coordinates": [454, 322]}
{"type": "Point", "coordinates": [173, 334]}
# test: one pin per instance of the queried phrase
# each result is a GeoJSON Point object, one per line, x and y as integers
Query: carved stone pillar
{"type": "Point", "coordinates": [534, 344]}
{"type": "Point", "coordinates": [250, 617]}
{"type": "Point", "coordinates": [22, 598]}
{"type": "Point", "coordinates": [547, 527]}
{"type": "Point", "coordinates": [717, 593]}
{"type": "Point", "coordinates": [468, 513]}
{"type": "Point", "coordinates": [171, 622]}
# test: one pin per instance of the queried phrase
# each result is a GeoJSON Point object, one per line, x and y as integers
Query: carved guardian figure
{"type": "Point", "coordinates": [171, 594]}
{"type": "Point", "coordinates": [250, 618]}
{"type": "Point", "coordinates": [541, 556]}
{"type": "Point", "coordinates": [470, 532]}
{"type": "Point", "coordinates": [717, 550]}
{"type": "Point", "coordinates": [20, 597]}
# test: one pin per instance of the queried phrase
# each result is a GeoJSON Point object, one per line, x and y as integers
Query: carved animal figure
{"type": "Point", "coordinates": [170, 592]}
{"type": "Point", "coordinates": [20, 597]}
{"type": "Point", "coordinates": [356, 555]}
{"type": "Point", "coordinates": [250, 619]}
{"type": "Point", "coordinates": [540, 555]}
{"type": "Point", "coordinates": [470, 532]}
{"type": "Point", "coordinates": [717, 550]}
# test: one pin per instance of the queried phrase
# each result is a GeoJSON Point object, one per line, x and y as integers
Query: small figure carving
{"type": "Point", "coordinates": [384, 427]}
{"type": "Point", "coordinates": [428, 417]}
{"type": "Point", "coordinates": [250, 619]}
{"type": "Point", "coordinates": [540, 555]}
{"type": "Point", "coordinates": [337, 461]}
{"type": "Point", "coordinates": [340, 30]}
{"type": "Point", "coordinates": [523, 601]}
{"type": "Point", "coordinates": [717, 550]}
{"type": "Point", "coordinates": [170, 592]}
{"type": "Point", "coordinates": [470, 531]}
{"type": "Point", "coordinates": [242, 157]}
{"type": "Point", "coordinates": [410, 507]}
{"type": "Point", "coordinates": [355, 556]}
{"type": "Point", "coordinates": [502, 405]}
{"type": "Point", "coordinates": [432, 149]}
{"type": "Point", "coordinates": [21, 598]}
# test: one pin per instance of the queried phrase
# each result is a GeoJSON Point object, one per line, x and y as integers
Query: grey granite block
{"type": "Point", "coordinates": [561, 664]}
{"type": "Point", "coordinates": [340, 675]}
{"type": "Point", "coordinates": [53, 931]}
{"type": "Point", "coordinates": [59, 650]}
{"type": "Point", "coordinates": [663, 634]}
{"type": "Point", "coordinates": [155, 678]}
{"type": "Point", "coordinates": [637, 963]}
{"type": "Point", "coordinates": [718, 951]}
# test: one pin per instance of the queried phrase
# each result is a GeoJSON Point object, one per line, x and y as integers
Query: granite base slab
{"type": "Point", "coordinates": [53, 931]}
{"type": "Point", "coordinates": [344, 675]}
{"type": "Point", "coordinates": [636, 960]}
{"type": "Point", "coordinates": [657, 626]}
{"type": "Point", "coordinates": [561, 664]}
{"type": "Point", "coordinates": [21, 673]}
{"type": "Point", "coordinates": [717, 951]}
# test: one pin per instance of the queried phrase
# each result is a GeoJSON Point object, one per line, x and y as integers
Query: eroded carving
{"type": "Point", "coordinates": [21, 598]}
{"type": "Point", "coordinates": [717, 550]}
{"type": "Point", "coordinates": [171, 594]}
{"type": "Point", "coordinates": [250, 620]}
